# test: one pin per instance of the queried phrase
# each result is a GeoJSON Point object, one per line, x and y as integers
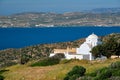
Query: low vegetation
{"type": "Point", "coordinates": [10, 57]}
{"type": "Point", "coordinates": [112, 72]}
{"type": "Point", "coordinates": [38, 66]}
{"type": "Point", "coordinates": [110, 46]}
{"type": "Point", "coordinates": [1, 72]}
{"type": "Point", "coordinates": [50, 60]}
{"type": "Point", "coordinates": [47, 62]}
{"type": "Point", "coordinates": [1, 77]}
{"type": "Point", "coordinates": [75, 73]}
{"type": "Point", "coordinates": [54, 72]}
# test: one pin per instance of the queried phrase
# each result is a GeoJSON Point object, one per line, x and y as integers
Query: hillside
{"type": "Point", "coordinates": [11, 61]}
{"type": "Point", "coordinates": [10, 57]}
{"type": "Point", "coordinates": [56, 72]}
{"type": "Point", "coordinates": [96, 17]}
{"type": "Point", "coordinates": [13, 56]}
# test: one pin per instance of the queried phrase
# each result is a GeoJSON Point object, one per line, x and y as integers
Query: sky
{"type": "Point", "coordinates": [8, 7]}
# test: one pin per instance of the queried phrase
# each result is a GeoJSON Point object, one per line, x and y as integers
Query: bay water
{"type": "Point", "coordinates": [22, 37]}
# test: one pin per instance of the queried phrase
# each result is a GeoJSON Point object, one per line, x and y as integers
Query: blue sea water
{"type": "Point", "coordinates": [21, 37]}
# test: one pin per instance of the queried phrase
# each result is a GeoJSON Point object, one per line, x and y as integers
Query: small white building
{"type": "Point", "coordinates": [91, 41]}
{"type": "Point", "coordinates": [83, 52]}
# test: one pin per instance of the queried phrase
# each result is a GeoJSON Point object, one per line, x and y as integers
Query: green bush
{"type": "Point", "coordinates": [47, 62]}
{"type": "Point", "coordinates": [77, 70]}
{"type": "Point", "coordinates": [116, 72]}
{"type": "Point", "coordinates": [99, 71]}
{"type": "Point", "coordinates": [115, 68]}
{"type": "Point", "coordinates": [2, 71]}
{"type": "Point", "coordinates": [105, 74]}
{"type": "Point", "coordinates": [93, 74]}
{"type": "Point", "coordinates": [59, 55]}
{"type": "Point", "coordinates": [66, 77]}
{"type": "Point", "coordinates": [75, 73]}
{"type": "Point", "coordinates": [1, 77]}
{"type": "Point", "coordinates": [115, 65]}
{"type": "Point", "coordinates": [102, 74]}
{"type": "Point", "coordinates": [50, 60]}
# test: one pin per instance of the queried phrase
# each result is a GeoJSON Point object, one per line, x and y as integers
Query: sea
{"type": "Point", "coordinates": [23, 37]}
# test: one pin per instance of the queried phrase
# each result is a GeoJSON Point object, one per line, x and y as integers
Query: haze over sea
{"type": "Point", "coordinates": [22, 37]}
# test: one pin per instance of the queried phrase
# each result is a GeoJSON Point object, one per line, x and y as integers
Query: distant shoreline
{"type": "Point", "coordinates": [49, 19]}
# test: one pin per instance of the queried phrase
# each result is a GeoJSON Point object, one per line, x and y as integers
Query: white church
{"type": "Point", "coordinates": [83, 52]}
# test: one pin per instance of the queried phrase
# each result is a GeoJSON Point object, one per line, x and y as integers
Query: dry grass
{"type": "Point", "coordinates": [56, 72]}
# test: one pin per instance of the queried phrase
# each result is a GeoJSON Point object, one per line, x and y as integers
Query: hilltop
{"type": "Point", "coordinates": [96, 17]}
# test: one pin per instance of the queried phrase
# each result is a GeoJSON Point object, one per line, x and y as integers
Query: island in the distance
{"type": "Point", "coordinates": [95, 17]}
